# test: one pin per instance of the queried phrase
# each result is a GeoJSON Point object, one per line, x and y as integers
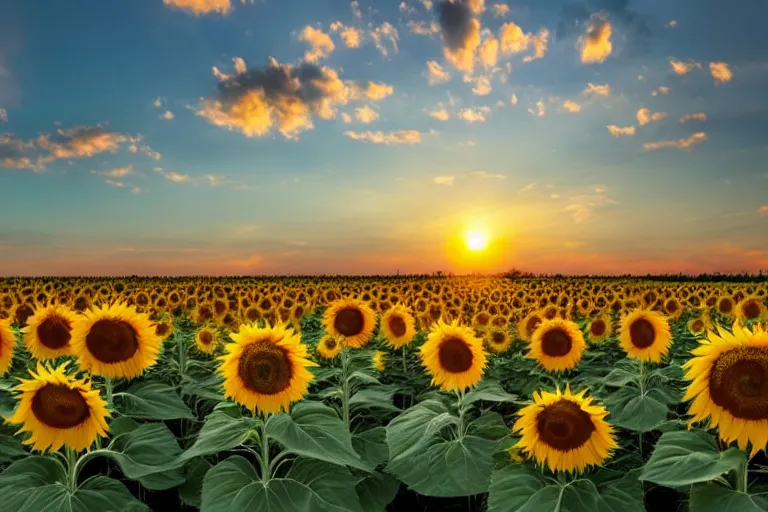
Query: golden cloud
{"type": "Point", "coordinates": [645, 116]}
{"type": "Point", "coordinates": [321, 45]}
{"type": "Point", "coordinates": [682, 68]}
{"type": "Point", "coordinates": [720, 72]}
{"type": "Point", "coordinates": [199, 7]}
{"type": "Point", "coordinates": [597, 46]}
{"type": "Point", "coordinates": [698, 116]}
{"type": "Point", "coordinates": [684, 144]}
{"type": "Point", "coordinates": [436, 74]}
{"type": "Point", "coordinates": [489, 52]}
{"type": "Point", "coordinates": [366, 114]}
{"type": "Point", "coordinates": [597, 90]}
{"type": "Point", "coordinates": [395, 137]}
{"type": "Point", "coordinates": [350, 36]}
{"type": "Point", "coordinates": [571, 106]}
{"type": "Point", "coordinates": [619, 131]}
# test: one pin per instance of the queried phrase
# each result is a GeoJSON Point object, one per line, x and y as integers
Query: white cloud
{"type": "Point", "coordinates": [176, 177]}
{"type": "Point", "coordinates": [597, 90]}
{"type": "Point", "coordinates": [3, 115]}
{"type": "Point", "coordinates": [540, 110]}
{"type": "Point", "coordinates": [444, 180]}
{"type": "Point", "coordinates": [168, 115]}
{"type": "Point", "coordinates": [436, 74]}
{"type": "Point", "coordinates": [684, 144]}
{"type": "Point", "coordinates": [571, 106]}
{"type": "Point", "coordinates": [473, 115]}
{"type": "Point", "coordinates": [440, 113]}
{"type": "Point", "coordinates": [395, 137]}
{"type": "Point", "coordinates": [485, 175]}
{"type": "Point", "coordinates": [366, 114]}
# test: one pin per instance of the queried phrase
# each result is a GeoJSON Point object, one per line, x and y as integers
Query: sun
{"type": "Point", "coordinates": [476, 241]}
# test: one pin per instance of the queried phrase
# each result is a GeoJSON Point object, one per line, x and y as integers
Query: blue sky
{"type": "Point", "coordinates": [395, 129]}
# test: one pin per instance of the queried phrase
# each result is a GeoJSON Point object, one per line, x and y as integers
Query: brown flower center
{"type": "Point", "coordinates": [23, 312]}
{"type": "Point", "coordinates": [59, 407]}
{"type": "Point", "coordinates": [597, 328]}
{"type": "Point", "coordinates": [206, 338]}
{"type": "Point", "coordinates": [751, 309]}
{"type": "Point", "coordinates": [532, 323]}
{"type": "Point", "coordinates": [483, 318]}
{"type": "Point", "coordinates": [698, 325]}
{"type": "Point", "coordinates": [564, 425]}
{"type": "Point", "coordinates": [330, 344]}
{"type": "Point", "coordinates": [54, 332]}
{"type": "Point", "coordinates": [349, 321]}
{"type": "Point", "coordinates": [672, 306]}
{"type": "Point", "coordinates": [725, 306]}
{"type": "Point", "coordinates": [455, 356]}
{"type": "Point", "coordinates": [498, 338]}
{"type": "Point", "coordinates": [738, 382]}
{"type": "Point", "coordinates": [162, 329]}
{"type": "Point", "coordinates": [397, 326]}
{"type": "Point", "coordinates": [219, 307]}
{"type": "Point", "coordinates": [556, 342]}
{"type": "Point", "coordinates": [265, 368]}
{"type": "Point", "coordinates": [112, 341]}
{"type": "Point", "coordinates": [642, 333]}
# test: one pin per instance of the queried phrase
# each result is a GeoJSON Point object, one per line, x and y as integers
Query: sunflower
{"type": "Point", "coordinates": [599, 328]}
{"type": "Point", "coordinates": [557, 345]}
{"type": "Point", "coordinates": [528, 324]}
{"type": "Point", "coordinates": [206, 340]}
{"type": "Point", "coordinates": [115, 341]}
{"type": "Point", "coordinates": [645, 335]}
{"type": "Point", "coordinates": [453, 355]}
{"type": "Point", "coordinates": [7, 342]}
{"type": "Point", "coordinates": [729, 374]}
{"type": "Point", "coordinates": [725, 306]}
{"type": "Point", "coordinates": [329, 347]}
{"type": "Point", "coordinates": [750, 308]}
{"type": "Point", "coordinates": [265, 369]}
{"type": "Point", "coordinates": [700, 324]}
{"type": "Point", "coordinates": [498, 340]}
{"type": "Point", "coordinates": [379, 360]}
{"type": "Point", "coordinates": [565, 431]}
{"type": "Point", "coordinates": [398, 326]}
{"type": "Point", "coordinates": [164, 328]}
{"type": "Point", "coordinates": [47, 334]}
{"type": "Point", "coordinates": [350, 319]}
{"type": "Point", "coordinates": [58, 409]}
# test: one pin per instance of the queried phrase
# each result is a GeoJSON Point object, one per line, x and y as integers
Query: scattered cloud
{"type": "Point", "coordinates": [473, 115]}
{"type": "Point", "coordinates": [158, 102]}
{"type": "Point", "coordinates": [645, 116]}
{"type": "Point", "coordinates": [366, 114]}
{"type": "Point", "coordinates": [619, 131]}
{"type": "Point", "coordinates": [539, 111]}
{"type": "Point", "coordinates": [281, 96]}
{"type": "Point", "coordinates": [672, 24]}
{"type": "Point", "coordinates": [422, 28]}
{"type": "Point", "coordinates": [177, 177]}
{"type": "Point", "coordinates": [682, 68]}
{"type": "Point", "coordinates": [351, 37]}
{"type": "Point", "coordinates": [720, 72]}
{"type": "Point", "coordinates": [514, 40]}
{"type": "Point", "coordinates": [385, 38]}
{"type": "Point", "coordinates": [485, 175]}
{"type": "Point", "coordinates": [660, 90]}
{"type": "Point", "coordinates": [581, 207]}
{"type": "Point", "coordinates": [482, 85]}
{"type": "Point", "coordinates": [119, 172]}
{"type": "Point", "coordinates": [571, 106]}
{"type": "Point", "coordinates": [378, 91]}
{"type": "Point", "coordinates": [167, 115]}
{"type": "Point", "coordinates": [698, 116]}
{"type": "Point", "coordinates": [684, 144]}
{"type": "Point", "coordinates": [500, 10]}
{"type": "Point", "coordinates": [489, 52]}
{"type": "Point", "coordinates": [596, 46]}
{"type": "Point", "coordinates": [513, 99]}
{"type": "Point", "coordinates": [440, 113]}
{"type": "Point", "coordinates": [461, 34]}
{"type": "Point", "coordinates": [763, 209]}
{"type": "Point", "coordinates": [597, 90]}
{"type": "Point", "coordinates": [346, 118]}
{"type": "Point", "coordinates": [444, 180]}
{"type": "Point", "coordinates": [395, 137]}
{"type": "Point", "coordinates": [120, 184]}
{"type": "Point", "coordinates": [3, 115]}
{"type": "Point", "coordinates": [436, 74]}
{"type": "Point", "coordinates": [320, 44]}
{"type": "Point", "coordinates": [200, 7]}
{"type": "Point", "coordinates": [528, 188]}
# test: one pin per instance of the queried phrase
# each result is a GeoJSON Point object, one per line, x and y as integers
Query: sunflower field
{"type": "Point", "coordinates": [374, 394]}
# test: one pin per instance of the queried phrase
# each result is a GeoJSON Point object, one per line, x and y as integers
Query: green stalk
{"type": "Point", "coordinates": [108, 390]}
{"type": "Point", "coordinates": [742, 476]}
{"type": "Point", "coordinates": [345, 386]}
{"type": "Point", "coordinates": [264, 452]}
{"type": "Point", "coordinates": [71, 469]}
{"type": "Point", "coordinates": [405, 365]}
{"type": "Point", "coordinates": [182, 357]}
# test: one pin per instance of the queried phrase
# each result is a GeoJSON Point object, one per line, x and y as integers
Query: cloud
{"type": "Point", "coordinates": [320, 44]}
{"type": "Point", "coordinates": [500, 10]}
{"type": "Point", "coordinates": [661, 90]}
{"type": "Point", "coordinates": [597, 90]}
{"type": "Point", "coordinates": [581, 207]}
{"type": "Point", "coordinates": [168, 115]}
{"type": "Point", "coordinates": [422, 28]}
{"type": "Point", "coordinates": [597, 46]}
{"type": "Point", "coordinates": [3, 115]}
{"type": "Point", "coordinates": [618, 131]}
{"type": "Point", "coordinates": [539, 111]}
{"type": "Point", "coordinates": [482, 85]}
{"type": "Point", "coordinates": [672, 24]}
{"type": "Point", "coordinates": [684, 144]}
{"type": "Point", "coordinates": [571, 106]}
{"type": "Point", "coordinates": [489, 52]}
{"type": "Point", "coordinates": [485, 175]}
{"type": "Point", "coordinates": [436, 74]}
{"type": "Point", "coordinates": [473, 115]}
{"type": "Point", "coordinates": [119, 172]}
{"type": "Point", "coordinates": [461, 34]}
{"type": "Point", "coordinates": [120, 184]}
{"type": "Point", "coordinates": [443, 180]}
{"type": "Point", "coordinates": [350, 36]}
{"type": "Point", "coordinates": [763, 209]}
{"type": "Point", "coordinates": [199, 7]}
{"type": "Point", "coordinates": [682, 68]}
{"type": "Point", "coordinates": [440, 113]}
{"type": "Point", "coordinates": [698, 116]}
{"type": "Point", "coordinates": [513, 99]}
{"type": "Point", "coordinates": [385, 38]}
{"type": "Point", "coordinates": [177, 177]}
{"type": "Point", "coordinates": [346, 118]}
{"type": "Point", "coordinates": [281, 96]}
{"type": "Point", "coordinates": [720, 72]}
{"type": "Point", "coordinates": [395, 137]}
{"type": "Point", "coordinates": [645, 116]}
{"type": "Point", "coordinates": [528, 188]}
{"type": "Point", "coordinates": [366, 114]}
{"type": "Point", "coordinates": [158, 102]}
{"type": "Point", "coordinates": [376, 91]}
{"type": "Point", "coordinates": [514, 40]}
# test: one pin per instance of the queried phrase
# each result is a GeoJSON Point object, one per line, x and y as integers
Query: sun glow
{"type": "Point", "coordinates": [476, 241]}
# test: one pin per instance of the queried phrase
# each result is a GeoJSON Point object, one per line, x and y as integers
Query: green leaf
{"type": "Point", "coordinates": [688, 457]}
{"type": "Point", "coordinates": [11, 448]}
{"type": "Point", "coordinates": [152, 401]}
{"type": "Point", "coordinates": [314, 430]}
{"type": "Point", "coordinates": [619, 377]}
{"type": "Point", "coordinates": [621, 491]}
{"type": "Point", "coordinates": [37, 483]}
{"type": "Point", "coordinates": [489, 425]}
{"type": "Point", "coordinates": [372, 446]}
{"type": "Point", "coordinates": [634, 411]}
{"type": "Point", "coordinates": [208, 389]}
{"type": "Point", "coordinates": [190, 491]}
{"type": "Point", "coordinates": [223, 430]}
{"type": "Point", "coordinates": [512, 487]}
{"type": "Point", "coordinates": [150, 454]}
{"type": "Point", "coordinates": [376, 491]}
{"type": "Point", "coordinates": [363, 377]}
{"type": "Point", "coordinates": [413, 429]}
{"type": "Point", "coordinates": [376, 397]}
{"type": "Point", "coordinates": [716, 498]}
{"type": "Point", "coordinates": [488, 391]}
{"type": "Point", "coordinates": [234, 485]}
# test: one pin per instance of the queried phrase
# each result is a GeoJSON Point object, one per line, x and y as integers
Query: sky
{"type": "Point", "coordinates": [187, 137]}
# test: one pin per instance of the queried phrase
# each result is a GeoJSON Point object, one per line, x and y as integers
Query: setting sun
{"type": "Point", "coordinates": [476, 241]}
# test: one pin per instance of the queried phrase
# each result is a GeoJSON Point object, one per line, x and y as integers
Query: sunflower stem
{"type": "Point", "coordinates": [405, 364]}
{"type": "Point", "coordinates": [108, 390]}
{"type": "Point", "coordinates": [345, 385]}
{"type": "Point", "coordinates": [182, 358]}
{"type": "Point", "coordinates": [265, 467]}
{"type": "Point", "coordinates": [641, 376]}
{"type": "Point", "coordinates": [71, 469]}
{"type": "Point", "coordinates": [742, 476]}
